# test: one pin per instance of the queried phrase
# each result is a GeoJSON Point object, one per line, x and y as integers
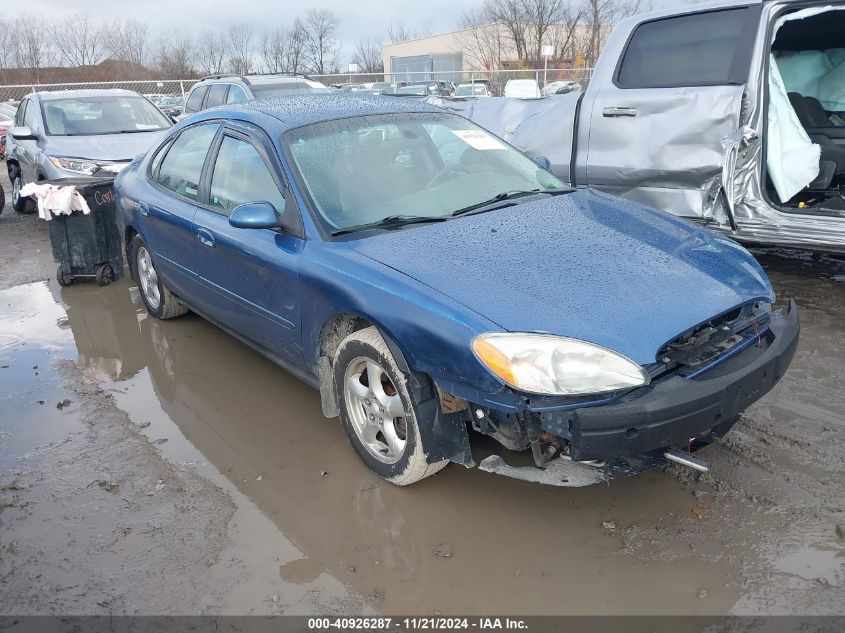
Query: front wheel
{"type": "Point", "coordinates": [21, 204]}
{"type": "Point", "coordinates": [377, 410]}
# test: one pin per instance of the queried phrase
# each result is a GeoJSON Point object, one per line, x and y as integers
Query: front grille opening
{"type": "Point", "coordinates": [709, 341]}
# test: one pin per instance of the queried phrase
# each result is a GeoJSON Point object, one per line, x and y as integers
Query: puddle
{"type": "Point", "coordinates": [312, 516]}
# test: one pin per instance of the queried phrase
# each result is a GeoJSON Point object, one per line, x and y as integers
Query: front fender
{"type": "Point", "coordinates": [432, 332]}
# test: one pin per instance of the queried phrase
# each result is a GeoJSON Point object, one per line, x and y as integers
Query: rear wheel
{"type": "Point", "coordinates": [377, 410]}
{"type": "Point", "coordinates": [21, 204]}
{"type": "Point", "coordinates": [62, 277]}
{"type": "Point", "coordinates": [159, 301]}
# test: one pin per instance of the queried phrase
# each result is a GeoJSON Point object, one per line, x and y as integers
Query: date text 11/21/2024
{"type": "Point", "coordinates": [422, 623]}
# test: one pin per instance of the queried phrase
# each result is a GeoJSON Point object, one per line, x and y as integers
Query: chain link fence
{"type": "Point", "coordinates": [167, 87]}
{"type": "Point", "coordinates": [180, 87]}
{"type": "Point", "coordinates": [496, 78]}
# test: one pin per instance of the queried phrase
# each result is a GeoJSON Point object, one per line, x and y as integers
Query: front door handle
{"type": "Point", "coordinates": [616, 111]}
{"type": "Point", "coordinates": [205, 238]}
{"type": "Point", "coordinates": [143, 209]}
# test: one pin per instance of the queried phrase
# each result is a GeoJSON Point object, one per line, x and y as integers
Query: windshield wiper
{"type": "Point", "coordinates": [391, 221]}
{"type": "Point", "coordinates": [507, 195]}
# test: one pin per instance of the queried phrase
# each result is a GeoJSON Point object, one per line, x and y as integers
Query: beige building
{"type": "Point", "coordinates": [483, 48]}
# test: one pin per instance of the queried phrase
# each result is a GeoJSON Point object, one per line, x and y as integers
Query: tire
{"type": "Point", "coordinates": [104, 274]}
{"type": "Point", "coordinates": [21, 204]}
{"type": "Point", "coordinates": [167, 305]}
{"type": "Point", "coordinates": [358, 354]}
{"type": "Point", "coordinates": [2, 199]}
{"type": "Point", "coordinates": [62, 277]}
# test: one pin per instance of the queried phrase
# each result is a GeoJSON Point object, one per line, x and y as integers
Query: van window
{"type": "Point", "coordinates": [702, 49]}
{"type": "Point", "coordinates": [194, 103]}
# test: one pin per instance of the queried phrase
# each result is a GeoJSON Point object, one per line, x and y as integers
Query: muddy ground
{"type": "Point", "coordinates": [163, 467]}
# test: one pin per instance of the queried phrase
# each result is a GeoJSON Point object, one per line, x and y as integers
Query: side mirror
{"type": "Point", "coordinates": [543, 162]}
{"type": "Point", "coordinates": [22, 133]}
{"type": "Point", "coordinates": [255, 215]}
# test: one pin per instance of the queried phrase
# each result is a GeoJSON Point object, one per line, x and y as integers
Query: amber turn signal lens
{"type": "Point", "coordinates": [495, 360]}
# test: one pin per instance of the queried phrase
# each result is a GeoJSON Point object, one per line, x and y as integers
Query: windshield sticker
{"type": "Point", "coordinates": [478, 139]}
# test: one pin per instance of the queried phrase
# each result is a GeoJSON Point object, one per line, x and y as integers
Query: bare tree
{"type": "Point", "coordinates": [601, 15]}
{"type": "Point", "coordinates": [368, 57]}
{"type": "Point", "coordinates": [273, 50]}
{"type": "Point", "coordinates": [78, 41]}
{"type": "Point", "coordinates": [30, 45]}
{"type": "Point", "coordinates": [240, 48]}
{"type": "Point", "coordinates": [398, 31]}
{"type": "Point", "coordinates": [211, 47]}
{"type": "Point", "coordinates": [175, 55]}
{"type": "Point", "coordinates": [7, 53]}
{"type": "Point", "coordinates": [321, 46]}
{"type": "Point", "coordinates": [295, 51]}
{"type": "Point", "coordinates": [483, 42]}
{"type": "Point", "coordinates": [126, 41]}
{"type": "Point", "coordinates": [511, 15]}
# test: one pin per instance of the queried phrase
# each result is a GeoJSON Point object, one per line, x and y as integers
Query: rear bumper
{"type": "Point", "coordinates": [677, 410]}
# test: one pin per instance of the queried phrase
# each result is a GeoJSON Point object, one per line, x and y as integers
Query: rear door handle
{"type": "Point", "coordinates": [205, 238]}
{"type": "Point", "coordinates": [143, 209]}
{"type": "Point", "coordinates": [616, 111]}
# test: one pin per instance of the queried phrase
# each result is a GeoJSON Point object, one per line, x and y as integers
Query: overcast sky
{"type": "Point", "coordinates": [359, 20]}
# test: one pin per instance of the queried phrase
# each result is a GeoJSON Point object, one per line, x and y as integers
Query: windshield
{"type": "Point", "coordinates": [84, 116]}
{"type": "Point", "coordinates": [288, 87]}
{"type": "Point", "coordinates": [363, 169]}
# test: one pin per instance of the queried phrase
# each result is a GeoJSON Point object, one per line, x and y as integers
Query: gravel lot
{"type": "Point", "coordinates": [163, 467]}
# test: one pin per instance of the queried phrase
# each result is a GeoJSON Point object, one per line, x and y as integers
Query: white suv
{"type": "Point", "coordinates": [216, 90]}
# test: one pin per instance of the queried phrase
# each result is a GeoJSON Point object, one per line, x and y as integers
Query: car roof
{"type": "Point", "coordinates": [298, 110]}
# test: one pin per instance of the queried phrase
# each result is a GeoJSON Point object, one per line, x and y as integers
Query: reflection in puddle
{"type": "Point", "coordinates": [326, 524]}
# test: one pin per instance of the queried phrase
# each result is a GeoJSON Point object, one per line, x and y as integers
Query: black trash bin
{"type": "Point", "coordinates": [88, 246]}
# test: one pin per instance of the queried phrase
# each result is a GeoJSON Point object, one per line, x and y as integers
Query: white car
{"type": "Point", "coordinates": [471, 90]}
{"type": "Point", "coordinates": [523, 89]}
{"type": "Point", "coordinates": [561, 87]}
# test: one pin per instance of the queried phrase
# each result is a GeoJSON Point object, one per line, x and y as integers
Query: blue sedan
{"type": "Point", "coordinates": [435, 283]}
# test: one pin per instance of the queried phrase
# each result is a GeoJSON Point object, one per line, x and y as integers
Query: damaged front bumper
{"type": "Point", "coordinates": [633, 433]}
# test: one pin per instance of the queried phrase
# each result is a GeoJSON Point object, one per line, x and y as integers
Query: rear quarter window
{"type": "Point", "coordinates": [701, 49]}
{"type": "Point", "coordinates": [194, 103]}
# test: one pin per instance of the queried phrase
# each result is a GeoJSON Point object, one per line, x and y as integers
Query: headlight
{"type": "Point", "coordinates": [113, 168]}
{"type": "Point", "coordinates": [555, 365]}
{"type": "Point", "coordinates": [79, 166]}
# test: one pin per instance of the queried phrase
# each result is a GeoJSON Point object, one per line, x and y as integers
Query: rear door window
{"type": "Point", "coordinates": [181, 168]}
{"type": "Point", "coordinates": [240, 175]}
{"type": "Point", "coordinates": [702, 49]}
{"type": "Point", "coordinates": [216, 95]}
{"type": "Point", "coordinates": [194, 103]}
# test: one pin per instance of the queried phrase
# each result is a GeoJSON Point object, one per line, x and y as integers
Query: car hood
{"type": "Point", "coordinates": [105, 147]}
{"type": "Point", "coordinates": [584, 265]}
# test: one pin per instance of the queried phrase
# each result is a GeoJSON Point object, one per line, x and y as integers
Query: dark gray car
{"type": "Point", "coordinates": [78, 133]}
